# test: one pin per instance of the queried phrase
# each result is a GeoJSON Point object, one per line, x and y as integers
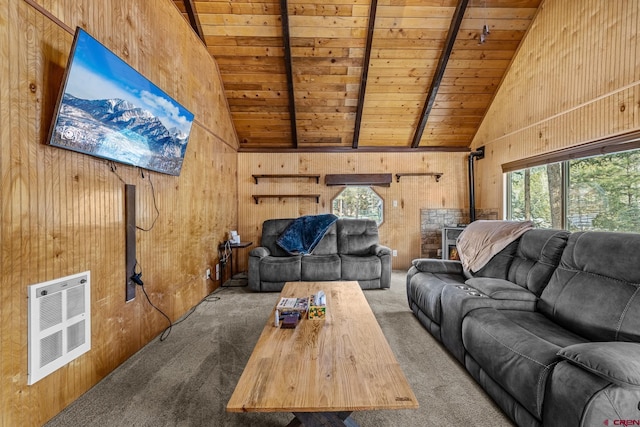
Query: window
{"type": "Point", "coordinates": [592, 193]}
{"type": "Point", "coordinates": [535, 195]}
{"type": "Point", "coordinates": [604, 193]}
{"type": "Point", "coordinates": [358, 202]}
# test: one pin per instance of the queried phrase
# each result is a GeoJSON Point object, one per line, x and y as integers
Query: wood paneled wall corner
{"type": "Point", "coordinates": [575, 79]}
{"type": "Point", "coordinates": [401, 227]}
{"type": "Point", "coordinates": [63, 212]}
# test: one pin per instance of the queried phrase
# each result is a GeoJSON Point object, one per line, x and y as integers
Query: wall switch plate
{"type": "Point", "coordinates": [208, 273]}
{"type": "Point", "coordinates": [395, 252]}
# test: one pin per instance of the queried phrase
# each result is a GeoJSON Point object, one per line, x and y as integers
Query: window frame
{"type": "Point", "coordinates": [565, 158]}
{"type": "Point", "coordinates": [370, 187]}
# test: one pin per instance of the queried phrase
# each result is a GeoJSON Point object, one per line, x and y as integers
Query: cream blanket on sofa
{"type": "Point", "coordinates": [482, 239]}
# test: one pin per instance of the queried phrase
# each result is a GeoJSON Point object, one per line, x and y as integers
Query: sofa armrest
{"type": "Point", "coordinates": [576, 397]}
{"type": "Point", "coordinates": [259, 252]}
{"type": "Point", "coordinates": [431, 265]}
{"type": "Point", "coordinates": [616, 362]}
{"type": "Point", "coordinates": [380, 250]}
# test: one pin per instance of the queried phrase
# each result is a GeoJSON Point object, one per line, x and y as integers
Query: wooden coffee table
{"type": "Point", "coordinates": [323, 369]}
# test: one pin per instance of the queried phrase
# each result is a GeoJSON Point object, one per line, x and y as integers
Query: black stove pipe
{"type": "Point", "coordinates": [472, 196]}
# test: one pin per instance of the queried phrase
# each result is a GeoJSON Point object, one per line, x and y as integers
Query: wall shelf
{"type": "Point", "coordinates": [437, 175]}
{"type": "Point", "coordinates": [256, 197]}
{"type": "Point", "coordinates": [280, 176]}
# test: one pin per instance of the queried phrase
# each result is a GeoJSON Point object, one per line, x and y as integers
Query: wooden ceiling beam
{"type": "Point", "coordinates": [365, 72]}
{"type": "Point", "coordinates": [286, 40]}
{"type": "Point", "coordinates": [194, 20]}
{"type": "Point", "coordinates": [456, 20]}
{"type": "Point", "coordinates": [368, 149]}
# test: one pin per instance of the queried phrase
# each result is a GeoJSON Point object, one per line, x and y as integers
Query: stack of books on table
{"type": "Point", "coordinates": [301, 305]}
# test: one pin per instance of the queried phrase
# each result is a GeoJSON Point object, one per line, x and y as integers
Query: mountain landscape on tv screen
{"type": "Point", "coordinates": [118, 130]}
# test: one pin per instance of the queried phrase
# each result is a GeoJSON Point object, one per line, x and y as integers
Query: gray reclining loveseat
{"type": "Point", "coordinates": [349, 250]}
{"type": "Point", "coordinates": [549, 327]}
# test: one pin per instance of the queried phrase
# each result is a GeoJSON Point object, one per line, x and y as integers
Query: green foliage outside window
{"type": "Point", "coordinates": [602, 193]}
{"type": "Point", "coordinates": [530, 196]}
{"type": "Point", "coordinates": [358, 202]}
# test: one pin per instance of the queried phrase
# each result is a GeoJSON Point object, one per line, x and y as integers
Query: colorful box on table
{"type": "Point", "coordinates": [316, 311]}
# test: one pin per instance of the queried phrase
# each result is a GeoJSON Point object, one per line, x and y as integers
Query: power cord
{"type": "Point", "coordinates": [226, 253]}
{"type": "Point", "coordinates": [114, 169]}
{"type": "Point", "coordinates": [137, 279]}
{"type": "Point", "coordinates": [155, 203]}
{"type": "Point", "coordinates": [167, 330]}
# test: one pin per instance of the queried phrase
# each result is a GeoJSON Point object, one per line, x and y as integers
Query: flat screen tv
{"type": "Point", "coordinates": [109, 110]}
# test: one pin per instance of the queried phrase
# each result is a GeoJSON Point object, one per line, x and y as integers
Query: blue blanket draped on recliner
{"type": "Point", "coordinates": [304, 233]}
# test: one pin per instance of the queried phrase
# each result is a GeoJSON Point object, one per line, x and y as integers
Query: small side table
{"type": "Point", "coordinates": [234, 246]}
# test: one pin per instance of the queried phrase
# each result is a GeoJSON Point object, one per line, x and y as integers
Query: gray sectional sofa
{"type": "Point", "coordinates": [549, 327]}
{"type": "Point", "coordinates": [349, 250]}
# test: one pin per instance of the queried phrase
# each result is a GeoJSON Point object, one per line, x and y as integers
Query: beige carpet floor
{"type": "Point", "coordinates": [187, 379]}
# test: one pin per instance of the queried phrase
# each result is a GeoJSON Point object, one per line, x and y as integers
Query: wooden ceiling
{"type": "Point", "coordinates": [359, 74]}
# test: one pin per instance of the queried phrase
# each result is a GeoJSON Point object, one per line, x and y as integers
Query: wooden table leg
{"type": "Point", "coordinates": [322, 419]}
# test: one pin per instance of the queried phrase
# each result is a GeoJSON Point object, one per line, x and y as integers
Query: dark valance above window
{"type": "Point", "coordinates": [379, 179]}
{"type": "Point", "coordinates": [614, 144]}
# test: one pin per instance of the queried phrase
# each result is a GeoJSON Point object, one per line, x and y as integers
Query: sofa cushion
{"type": "Point", "coordinates": [360, 267]}
{"type": "Point", "coordinates": [458, 301]}
{"type": "Point", "coordinates": [539, 253]}
{"type": "Point", "coordinates": [595, 291]}
{"type": "Point", "coordinates": [617, 362]}
{"type": "Point", "coordinates": [517, 349]}
{"type": "Point", "coordinates": [500, 289]}
{"type": "Point", "coordinates": [356, 237]}
{"type": "Point", "coordinates": [280, 269]}
{"type": "Point", "coordinates": [329, 243]}
{"type": "Point", "coordinates": [271, 230]}
{"type": "Point", "coordinates": [320, 267]}
{"type": "Point", "coordinates": [498, 266]}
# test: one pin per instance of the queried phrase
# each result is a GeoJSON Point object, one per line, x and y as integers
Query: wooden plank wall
{"type": "Point", "coordinates": [63, 212]}
{"type": "Point", "coordinates": [401, 227]}
{"type": "Point", "coordinates": [575, 79]}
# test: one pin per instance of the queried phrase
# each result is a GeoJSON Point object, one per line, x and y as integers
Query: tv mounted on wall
{"type": "Point", "coordinates": [109, 110]}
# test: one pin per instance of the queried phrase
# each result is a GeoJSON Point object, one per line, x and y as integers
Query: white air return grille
{"type": "Point", "coordinates": [59, 323]}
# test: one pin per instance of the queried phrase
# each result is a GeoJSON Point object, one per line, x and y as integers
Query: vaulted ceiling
{"type": "Point", "coordinates": [359, 74]}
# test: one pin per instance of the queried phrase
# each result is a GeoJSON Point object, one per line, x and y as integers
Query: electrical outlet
{"type": "Point", "coordinates": [217, 271]}
{"type": "Point", "coordinates": [208, 273]}
{"type": "Point", "coordinates": [395, 252]}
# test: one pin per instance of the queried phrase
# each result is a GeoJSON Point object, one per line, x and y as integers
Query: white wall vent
{"type": "Point", "coordinates": [59, 323]}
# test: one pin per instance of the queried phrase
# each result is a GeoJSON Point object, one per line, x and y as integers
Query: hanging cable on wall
{"type": "Point", "coordinates": [485, 27]}
{"type": "Point", "coordinates": [155, 203]}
